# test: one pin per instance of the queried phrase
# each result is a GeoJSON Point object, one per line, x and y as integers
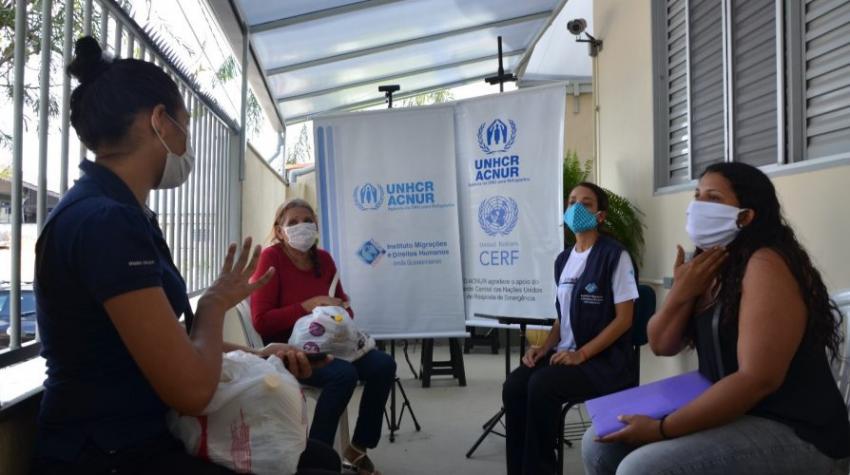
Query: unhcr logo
{"type": "Point", "coordinates": [368, 196]}
{"type": "Point", "coordinates": [397, 196]}
{"type": "Point", "coordinates": [496, 137]}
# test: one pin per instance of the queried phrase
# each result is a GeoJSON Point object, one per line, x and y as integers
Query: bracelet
{"type": "Point", "coordinates": [661, 427]}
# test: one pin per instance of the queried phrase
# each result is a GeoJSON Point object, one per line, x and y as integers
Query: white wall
{"type": "Point", "coordinates": [262, 192]}
{"type": "Point", "coordinates": [814, 202]}
{"type": "Point", "coordinates": [578, 126]}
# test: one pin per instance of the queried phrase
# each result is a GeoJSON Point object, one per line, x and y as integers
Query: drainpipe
{"type": "Point", "coordinates": [294, 174]}
{"type": "Point", "coordinates": [597, 124]}
{"type": "Point", "coordinates": [281, 145]}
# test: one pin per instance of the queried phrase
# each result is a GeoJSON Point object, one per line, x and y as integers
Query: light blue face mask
{"type": "Point", "coordinates": [579, 219]}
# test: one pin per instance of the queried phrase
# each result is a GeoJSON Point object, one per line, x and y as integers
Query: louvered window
{"type": "Point", "coordinates": [707, 99]}
{"type": "Point", "coordinates": [764, 82]}
{"type": "Point", "coordinates": [827, 78]}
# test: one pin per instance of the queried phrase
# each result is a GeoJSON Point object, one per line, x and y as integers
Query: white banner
{"type": "Point", "coordinates": [509, 169]}
{"type": "Point", "coordinates": [388, 206]}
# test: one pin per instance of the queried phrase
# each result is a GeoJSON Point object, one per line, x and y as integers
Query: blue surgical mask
{"type": "Point", "coordinates": [579, 219]}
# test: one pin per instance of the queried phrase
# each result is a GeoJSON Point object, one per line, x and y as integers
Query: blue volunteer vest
{"type": "Point", "coordinates": [592, 309]}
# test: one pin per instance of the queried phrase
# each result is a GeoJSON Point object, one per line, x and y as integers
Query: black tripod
{"type": "Point", "coordinates": [522, 322]}
{"type": "Point", "coordinates": [393, 421]}
{"type": "Point", "coordinates": [500, 78]}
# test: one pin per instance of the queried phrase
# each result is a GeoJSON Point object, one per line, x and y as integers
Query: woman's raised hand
{"type": "Point", "coordinates": [691, 279]}
{"type": "Point", "coordinates": [233, 284]}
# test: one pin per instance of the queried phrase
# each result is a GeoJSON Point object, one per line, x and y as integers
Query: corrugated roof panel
{"type": "Point", "coordinates": [386, 25]}
{"type": "Point", "coordinates": [261, 11]}
{"type": "Point", "coordinates": [312, 105]}
{"type": "Point", "coordinates": [326, 55]}
{"type": "Point", "coordinates": [411, 58]}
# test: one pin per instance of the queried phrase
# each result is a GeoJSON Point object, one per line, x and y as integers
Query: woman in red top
{"type": "Point", "coordinates": [301, 282]}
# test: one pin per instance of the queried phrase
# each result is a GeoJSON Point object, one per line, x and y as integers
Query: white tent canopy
{"type": "Point", "coordinates": [557, 56]}
{"type": "Point", "coordinates": [318, 56]}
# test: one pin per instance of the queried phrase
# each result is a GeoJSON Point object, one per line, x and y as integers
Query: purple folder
{"type": "Point", "coordinates": [654, 400]}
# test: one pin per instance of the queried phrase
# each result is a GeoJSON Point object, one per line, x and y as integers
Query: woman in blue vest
{"type": "Point", "coordinates": [109, 294]}
{"type": "Point", "coordinates": [763, 325]}
{"type": "Point", "coordinates": [588, 351]}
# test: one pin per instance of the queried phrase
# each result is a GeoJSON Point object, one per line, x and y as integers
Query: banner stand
{"type": "Point", "coordinates": [523, 323]}
{"type": "Point", "coordinates": [393, 422]}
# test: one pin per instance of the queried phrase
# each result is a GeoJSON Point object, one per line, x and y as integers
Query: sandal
{"type": "Point", "coordinates": [361, 464]}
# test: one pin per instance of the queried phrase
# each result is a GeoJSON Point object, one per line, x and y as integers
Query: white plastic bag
{"type": "Point", "coordinates": [331, 330]}
{"type": "Point", "coordinates": [256, 422]}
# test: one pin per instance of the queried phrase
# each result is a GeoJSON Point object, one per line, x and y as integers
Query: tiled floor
{"type": "Point", "coordinates": [451, 419]}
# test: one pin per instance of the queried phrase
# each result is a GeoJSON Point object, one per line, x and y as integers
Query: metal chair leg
{"type": "Point", "coordinates": [561, 439]}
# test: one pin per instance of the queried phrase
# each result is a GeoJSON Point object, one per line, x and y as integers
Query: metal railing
{"type": "Point", "coordinates": [196, 218]}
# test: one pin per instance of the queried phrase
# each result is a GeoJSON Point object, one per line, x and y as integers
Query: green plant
{"type": "Point", "coordinates": [428, 98]}
{"type": "Point", "coordinates": [624, 221]}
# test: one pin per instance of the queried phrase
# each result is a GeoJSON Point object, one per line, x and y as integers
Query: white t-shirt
{"type": "Point", "coordinates": [623, 283]}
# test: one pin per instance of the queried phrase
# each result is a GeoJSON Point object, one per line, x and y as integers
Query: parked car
{"type": "Point", "coordinates": [28, 323]}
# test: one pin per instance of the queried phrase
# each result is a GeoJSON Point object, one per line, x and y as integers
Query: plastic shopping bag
{"type": "Point", "coordinates": [331, 330]}
{"type": "Point", "coordinates": [256, 422]}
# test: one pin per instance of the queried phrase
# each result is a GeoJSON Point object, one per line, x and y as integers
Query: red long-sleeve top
{"type": "Point", "coordinates": [276, 306]}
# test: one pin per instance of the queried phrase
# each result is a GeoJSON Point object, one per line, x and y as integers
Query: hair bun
{"type": "Point", "coordinates": [89, 61]}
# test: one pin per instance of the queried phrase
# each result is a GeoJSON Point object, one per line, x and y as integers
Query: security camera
{"type": "Point", "coordinates": [577, 26]}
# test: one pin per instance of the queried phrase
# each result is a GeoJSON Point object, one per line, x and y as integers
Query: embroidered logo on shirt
{"type": "Point", "coordinates": [591, 287]}
{"type": "Point", "coordinates": [140, 263]}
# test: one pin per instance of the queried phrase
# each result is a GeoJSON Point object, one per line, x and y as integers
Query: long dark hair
{"type": "Point", "coordinates": [278, 221]}
{"type": "Point", "coordinates": [769, 229]}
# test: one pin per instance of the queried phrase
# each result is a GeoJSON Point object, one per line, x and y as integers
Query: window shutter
{"type": "Point", "coordinates": [827, 78]}
{"type": "Point", "coordinates": [707, 99]}
{"type": "Point", "coordinates": [677, 92]}
{"type": "Point", "coordinates": [754, 96]}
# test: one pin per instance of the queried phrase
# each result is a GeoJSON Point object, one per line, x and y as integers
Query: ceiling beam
{"type": "Point", "coordinates": [410, 42]}
{"type": "Point", "coordinates": [381, 100]}
{"type": "Point", "coordinates": [318, 15]}
{"type": "Point", "coordinates": [394, 77]}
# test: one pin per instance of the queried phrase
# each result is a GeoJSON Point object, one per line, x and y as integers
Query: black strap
{"type": "Point", "coordinates": [189, 318]}
{"type": "Point", "coordinates": [715, 329]}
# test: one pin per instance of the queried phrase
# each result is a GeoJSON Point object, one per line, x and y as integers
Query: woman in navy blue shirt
{"type": "Point", "coordinates": [109, 295]}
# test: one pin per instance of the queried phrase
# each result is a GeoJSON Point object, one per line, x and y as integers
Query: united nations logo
{"type": "Point", "coordinates": [368, 196]}
{"type": "Point", "coordinates": [495, 138]}
{"type": "Point", "coordinates": [498, 215]}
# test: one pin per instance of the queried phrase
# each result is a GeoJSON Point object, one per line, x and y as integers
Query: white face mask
{"type": "Point", "coordinates": [301, 236]}
{"type": "Point", "coordinates": [177, 167]}
{"type": "Point", "coordinates": [712, 224]}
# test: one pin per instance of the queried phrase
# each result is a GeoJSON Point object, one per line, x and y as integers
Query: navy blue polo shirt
{"type": "Point", "coordinates": [98, 243]}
